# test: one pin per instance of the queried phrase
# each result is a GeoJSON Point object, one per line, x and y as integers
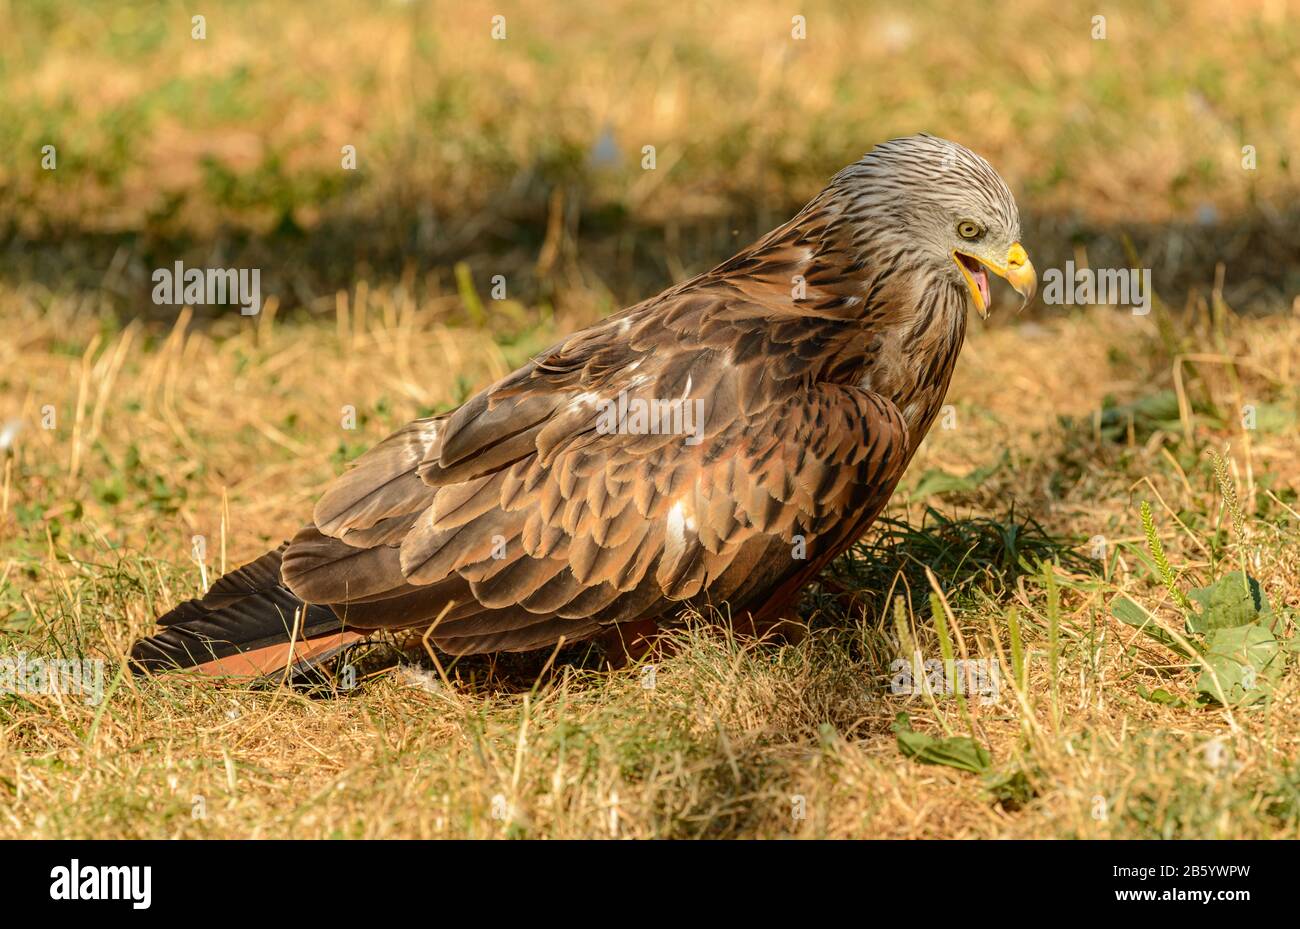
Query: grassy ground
{"type": "Point", "coordinates": [141, 431]}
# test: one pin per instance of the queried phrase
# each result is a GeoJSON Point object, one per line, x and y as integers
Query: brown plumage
{"type": "Point", "coordinates": [793, 383]}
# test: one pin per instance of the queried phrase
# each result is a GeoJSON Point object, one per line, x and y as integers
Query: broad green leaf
{"type": "Point", "coordinates": [1146, 414]}
{"type": "Point", "coordinates": [955, 752]}
{"type": "Point", "coordinates": [1246, 660]}
{"type": "Point", "coordinates": [1159, 695]}
{"type": "Point", "coordinates": [1013, 788]}
{"type": "Point", "coordinates": [938, 481]}
{"type": "Point", "coordinates": [1233, 600]}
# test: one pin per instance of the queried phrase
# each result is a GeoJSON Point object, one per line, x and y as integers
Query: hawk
{"type": "Point", "coordinates": [717, 444]}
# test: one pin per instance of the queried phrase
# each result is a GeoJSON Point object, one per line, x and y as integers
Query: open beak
{"type": "Point", "coordinates": [1018, 271]}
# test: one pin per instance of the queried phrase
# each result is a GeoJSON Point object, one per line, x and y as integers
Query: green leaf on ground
{"type": "Point", "coordinates": [955, 752]}
{"type": "Point", "coordinates": [1233, 600]}
{"type": "Point", "coordinates": [1012, 788]}
{"type": "Point", "coordinates": [938, 481]}
{"type": "Point", "coordinates": [1147, 413]}
{"type": "Point", "coordinates": [1160, 695]}
{"type": "Point", "coordinates": [1241, 665]}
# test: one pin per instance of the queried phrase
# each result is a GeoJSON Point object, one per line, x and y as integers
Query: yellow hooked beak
{"type": "Point", "coordinates": [1018, 271]}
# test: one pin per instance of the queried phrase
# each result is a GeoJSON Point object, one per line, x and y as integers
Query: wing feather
{"type": "Point", "coordinates": [540, 521]}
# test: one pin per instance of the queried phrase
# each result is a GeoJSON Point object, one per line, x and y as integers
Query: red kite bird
{"type": "Point", "coordinates": [719, 443]}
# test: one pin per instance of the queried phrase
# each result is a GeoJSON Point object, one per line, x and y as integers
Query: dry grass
{"type": "Point", "coordinates": [164, 429]}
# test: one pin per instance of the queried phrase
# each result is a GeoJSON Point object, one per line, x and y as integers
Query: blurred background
{"type": "Point", "coordinates": [523, 156]}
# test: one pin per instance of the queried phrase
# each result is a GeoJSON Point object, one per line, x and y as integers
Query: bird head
{"type": "Point", "coordinates": [982, 246]}
{"type": "Point", "coordinates": [952, 211]}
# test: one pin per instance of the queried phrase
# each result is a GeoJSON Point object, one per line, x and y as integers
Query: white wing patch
{"type": "Point", "coordinates": [678, 522]}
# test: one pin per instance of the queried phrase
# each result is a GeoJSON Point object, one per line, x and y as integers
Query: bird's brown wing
{"type": "Point", "coordinates": [538, 523]}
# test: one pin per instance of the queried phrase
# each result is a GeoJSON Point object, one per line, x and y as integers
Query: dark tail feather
{"type": "Point", "coordinates": [247, 624]}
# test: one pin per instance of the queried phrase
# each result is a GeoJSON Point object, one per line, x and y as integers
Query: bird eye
{"type": "Point", "coordinates": [969, 230]}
